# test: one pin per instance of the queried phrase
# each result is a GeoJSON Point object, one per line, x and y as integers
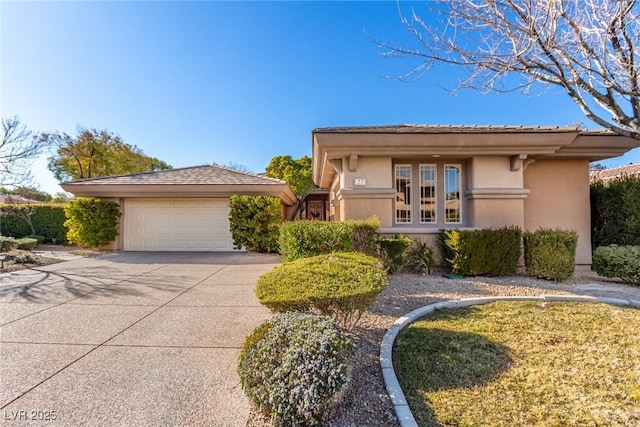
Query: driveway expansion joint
{"type": "Point", "coordinates": [398, 400]}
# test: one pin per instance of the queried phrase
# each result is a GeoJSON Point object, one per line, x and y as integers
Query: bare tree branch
{"type": "Point", "coordinates": [18, 147]}
{"type": "Point", "coordinates": [589, 48]}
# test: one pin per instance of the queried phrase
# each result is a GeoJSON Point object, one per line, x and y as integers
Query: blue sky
{"type": "Point", "coordinates": [231, 82]}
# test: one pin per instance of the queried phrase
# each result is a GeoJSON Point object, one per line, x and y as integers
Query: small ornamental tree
{"type": "Point", "coordinates": [92, 222]}
{"type": "Point", "coordinates": [255, 222]}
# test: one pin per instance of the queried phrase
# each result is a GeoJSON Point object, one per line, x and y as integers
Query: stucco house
{"type": "Point", "coordinates": [418, 179]}
{"type": "Point", "coordinates": [184, 209]}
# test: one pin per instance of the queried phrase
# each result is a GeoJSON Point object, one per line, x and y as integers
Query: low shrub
{"type": "Point", "coordinates": [7, 244]}
{"type": "Point", "coordinates": [293, 365]}
{"type": "Point", "coordinates": [26, 259]}
{"type": "Point", "coordinates": [420, 257]}
{"type": "Point", "coordinates": [26, 243]}
{"type": "Point", "coordinates": [490, 252]}
{"type": "Point", "coordinates": [255, 222]}
{"type": "Point", "coordinates": [618, 261]}
{"type": "Point", "coordinates": [393, 252]}
{"type": "Point", "coordinates": [550, 254]}
{"type": "Point", "coordinates": [365, 235]}
{"type": "Point", "coordinates": [302, 239]}
{"type": "Point", "coordinates": [341, 285]}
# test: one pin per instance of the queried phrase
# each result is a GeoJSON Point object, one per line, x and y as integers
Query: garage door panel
{"type": "Point", "coordinates": [177, 225]}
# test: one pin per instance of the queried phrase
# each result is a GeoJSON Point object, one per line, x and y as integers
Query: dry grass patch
{"type": "Point", "coordinates": [524, 363]}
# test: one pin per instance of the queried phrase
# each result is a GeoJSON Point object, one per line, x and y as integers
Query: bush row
{"type": "Point", "coordinates": [48, 221]}
{"type": "Point", "coordinates": [548, 254]}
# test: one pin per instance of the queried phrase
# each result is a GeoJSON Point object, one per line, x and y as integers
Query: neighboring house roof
{"type": "Point", "coordinates": [198, 181]}
{"type": "Point", "coordinates": [16, 200]}
{"type": "Point", "coordinates": [331, 145]}
{"type": "Point", "coordinates": [606, 175]}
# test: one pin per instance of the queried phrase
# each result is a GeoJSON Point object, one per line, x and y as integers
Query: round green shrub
{"type": "Point", "coordinates": [550, 254]}
{"type": "Point", "coordinates": [618, 261]}
{"type": "Point", "coordinates": [342, 285]}
{"type": "Point", "coordinates": [292, 366]}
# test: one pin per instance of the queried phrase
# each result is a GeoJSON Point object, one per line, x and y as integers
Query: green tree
{"type": "Point", "coordinates": [96, 153]}
{"type": "Point", "coordinates": [297, 172]}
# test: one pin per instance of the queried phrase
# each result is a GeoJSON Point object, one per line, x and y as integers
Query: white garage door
{"type": "Point", "coordinates": [177, 225]}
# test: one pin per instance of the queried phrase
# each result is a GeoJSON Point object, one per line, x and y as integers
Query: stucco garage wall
{"type": "Point", "coordinates": [559, 198]}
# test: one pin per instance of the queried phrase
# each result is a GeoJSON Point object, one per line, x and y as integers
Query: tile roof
{"type": "Point", "coordinates": [197, 175]}
{"type": "Point", "coordinates": [412, 128]}
{"type": "Point", "coordinates": [632, 169]}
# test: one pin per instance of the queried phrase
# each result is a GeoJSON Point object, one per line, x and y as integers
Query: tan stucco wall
{"type": "Point", "coordinates": [377, 171]}
{"type": "Point", "coordinates": [495, 213]}
{"type": "Point", "coordinates": [559, 198]}
{"type": "Point", "coordinates": [355, 209]}
{"type": "Point", "coordinates": [492, 172]}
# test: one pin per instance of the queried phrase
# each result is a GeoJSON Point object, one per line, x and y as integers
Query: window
{"type": "Point", "coordinates": [438, 194]}
{"type": "Point", "coordinates": [427, 194]}
{"type": "Point", "coordinates": [403, 193]}
{"type": "Point", "coordinates": [452, 184]}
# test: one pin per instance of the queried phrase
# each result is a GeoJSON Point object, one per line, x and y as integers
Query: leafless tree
{"type": "Point", "coordinates": [589, 48]}
{"type": "Point", "coordinates": [18, 147]}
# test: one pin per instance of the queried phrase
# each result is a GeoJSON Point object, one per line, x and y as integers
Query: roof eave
{"type": "Point", "coordinates": [84, 189]}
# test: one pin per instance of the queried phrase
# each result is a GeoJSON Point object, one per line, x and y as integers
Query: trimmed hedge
{"type": "Point", "coordinates": [341, 285]}
{"type": "Point", "coordinates": [293, 365]}
{"type": "Point", "coordinates": [481, 252]}
{"type": "Point", "coordinates": [618, 261]}
{"type": "Point", "coordinates": [615, 212]}
{"type": "Point", "coordinates": [392, 252]}
{"type": "Point", "coordinates": [255, 222]}
{"type": "Point", "coordinates": [550, 254]}
{"type": "Point", "coordinates": [48, 220]}
{"type": "Point", "coordinates": [302, 239]}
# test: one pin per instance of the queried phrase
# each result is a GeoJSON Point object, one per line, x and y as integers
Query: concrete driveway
{"type": "Point", "coordinates": [144, 339]}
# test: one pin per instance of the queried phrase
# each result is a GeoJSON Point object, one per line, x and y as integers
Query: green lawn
{"type": "Point", "coordinates": [523, 364]}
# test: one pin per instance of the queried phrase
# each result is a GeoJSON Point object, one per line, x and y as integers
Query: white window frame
{"type": "Point", "coordinates": [459, 185]}
{"type": "Point", "coordinates": [435, 192]}
{"type": "Point", "coordinates": [408, 220]}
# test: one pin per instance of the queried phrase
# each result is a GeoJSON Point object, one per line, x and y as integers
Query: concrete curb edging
{"type": "Point", "coordinates": [398, 400]}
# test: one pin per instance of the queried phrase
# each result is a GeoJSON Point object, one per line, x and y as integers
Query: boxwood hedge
{"type": "Point", "coordinates": [341, 285]}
